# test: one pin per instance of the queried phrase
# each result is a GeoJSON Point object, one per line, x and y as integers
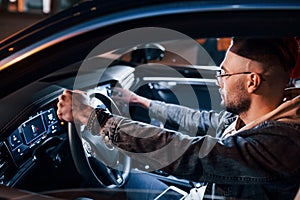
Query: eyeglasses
{"type": "Point", "coordinates": [219, 76]}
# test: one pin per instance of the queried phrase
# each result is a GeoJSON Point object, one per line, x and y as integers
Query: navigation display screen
{"type": "Point", "coordinates": [33, 128]}
{"type": "Point", "coordinates": [32, 131]}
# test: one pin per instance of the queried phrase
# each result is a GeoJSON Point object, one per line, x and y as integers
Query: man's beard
{"type": "Point", "coordinates": [237, 103]}
{"type": "Point", "coordinates": [238, 107]}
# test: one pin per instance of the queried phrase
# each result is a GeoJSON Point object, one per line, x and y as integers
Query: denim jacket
{"type": "Point", "coordinates": [258, 162]}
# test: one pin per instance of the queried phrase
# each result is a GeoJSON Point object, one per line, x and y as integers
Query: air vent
{"type": "Point", "coordinates": [6, 164]}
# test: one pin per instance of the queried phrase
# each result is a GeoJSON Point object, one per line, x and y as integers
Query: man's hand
{"type": "Point", "coordinates": [74, 106]}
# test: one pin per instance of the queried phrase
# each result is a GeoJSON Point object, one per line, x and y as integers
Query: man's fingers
{"type": "Point", "coordinates": [63, 110]}
{"type": "Point", "coordinates": [117, 89]}
{"type": "Point", "coordinates": [80, 92]}
{"type": "Point", "coordinates": [61, 98]}
{"type": "Point", "coordinates": [67, 92]}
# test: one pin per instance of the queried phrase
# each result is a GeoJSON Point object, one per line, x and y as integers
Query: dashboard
{"type": "Point", "coordinates": [18, 152]}
{"type": "Point", "coordinates": [34, 138]}
{"type": "Point", "coordinates": [32, 132]}
{"type": "Point", "coordinates": [38, 127]}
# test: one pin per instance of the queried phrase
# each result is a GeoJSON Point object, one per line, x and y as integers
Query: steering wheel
{"type": "Point", "coordinates": [97, 162]}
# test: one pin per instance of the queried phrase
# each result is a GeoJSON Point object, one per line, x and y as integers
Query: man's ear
{"type": "Point", "coordinates": [254, 81]}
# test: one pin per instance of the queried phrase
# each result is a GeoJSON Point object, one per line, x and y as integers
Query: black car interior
{"type": "Point", "coordinates": [40, 148]}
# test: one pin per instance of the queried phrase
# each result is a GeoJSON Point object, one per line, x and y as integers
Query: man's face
{"type": "Point", "coordinates": [233, 87]}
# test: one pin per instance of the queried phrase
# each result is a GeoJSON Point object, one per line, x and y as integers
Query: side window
{"type": "Point", "coordinates": [185, 77]}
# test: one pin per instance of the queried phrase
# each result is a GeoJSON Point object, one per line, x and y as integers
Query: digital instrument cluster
{"type": "Point", "coordinates": [37, 128]}
{"type": "Point", "coordinates": [32, 132]}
